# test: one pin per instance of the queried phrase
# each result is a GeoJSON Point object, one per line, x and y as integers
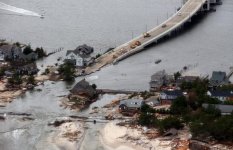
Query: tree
{"type": "Point", "coordinates": [147, 116]}
{"type": "Point", "coordinates": [67, 70]}
{"type": "Point", "coordinates": [15, 80]}
{"type": "Point", "coordinates": [213, 111]}
{"type": "Point", "coordinates": [2, 72]}
{"type": "Point", "coordinates": [17, 44]}
{"type": "Point", "coordinates": [98, 55]}
{"type": "Point", "coordinates": [27, 50]}
{"type": "Point", "coordinates": [41, 53]}
{"type": "Point", "coordinates": [147, 119]}
{"type": "Point", "coordinates": [94, 86]}
{"type": "Point", "coordinates": [170, 122]}
{"type": "Point", "coordinates": [31, 80]}
{"type": "Point", "coordinates": [177, 75]}
{"type": "Point", "coordinates": [179, 106]}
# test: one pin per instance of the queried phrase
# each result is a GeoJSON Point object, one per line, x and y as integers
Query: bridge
{"type": "Point", "coordinates": [175, 22]}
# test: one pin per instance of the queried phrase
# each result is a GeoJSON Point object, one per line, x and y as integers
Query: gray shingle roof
{"type": "Point", "coordinates": [132, 103]}
{"type": "Point", "coordinates": [218, 78]}
{"type": "Point", "coordinates": [221, 93]}
{"type": "Point", "coordinates": [87, 50]}
{"type": "Point", "coordinates": [225, 109]}
{"type": "Point", "coordinates": [174, 93]}
{"type": "Point", "coordinates": [83, 87]}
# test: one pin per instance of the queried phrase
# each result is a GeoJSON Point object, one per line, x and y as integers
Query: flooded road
{"type": "Point", "coordinates": [19, 134]}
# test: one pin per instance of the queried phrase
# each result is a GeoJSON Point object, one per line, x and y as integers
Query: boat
{"type": "Point", "coordinates": [42, 16]}
{"type": "Point", "coordinates": [158, 61]}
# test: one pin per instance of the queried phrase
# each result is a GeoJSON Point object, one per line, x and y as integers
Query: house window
{"type": "Point", "coordinates": [72, 57]}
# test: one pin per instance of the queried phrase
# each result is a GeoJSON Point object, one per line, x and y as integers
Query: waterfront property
{"type": "Point", "coordinates": [167, 97]}
{"type": "Point", "coordinates": [159, 79]}
{"type": "Point", "coordinates": [80, 57]}
{"type": "Point", "coordinates": [218, 78]}
{"type": "Point", "coordinates": [28, 69]}
{"type": "Point", "coordinates": [13, 52]}
{"type": "Point", "coordinates": [225, 109]}
{"type": "Point", "coordinates": [74, 58]}
{"type": "Point", "coordinates": [221, 95]}
{"type": "Point", "coordinates": [131, 105]}
{"type": "Point", "coordinates": [84, 89]}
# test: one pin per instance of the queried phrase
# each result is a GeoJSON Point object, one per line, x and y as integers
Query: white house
{"type": "Point", "coordinates": [75, 58]}
{"type": "Point", "coordinates": [221, 95]}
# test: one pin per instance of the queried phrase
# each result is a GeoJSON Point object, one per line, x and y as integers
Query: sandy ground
{"type": "Point", "coordinates": [122, 138]}
{"type": "Point", "coordinates": [68, 136]}
{"type": "Point", "coordinates": [41, 78]}
{"type": "Point", "coordinates": [7, 96]}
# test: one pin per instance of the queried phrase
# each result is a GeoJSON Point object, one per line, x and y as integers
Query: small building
{"type": "Point", "coordinates": [221, 95]}
{"type": "Point", "coordinates": [157, 80]}
{"type": "Point", "coordinates": [10, 52]}
{"type": "Point", "coordinates": [84, 89]}
{"type": "Point", "coordinates": [225, 109]}
{"type": "Point", "coordinates": [28, 69]}
{"type": "Point", "coordinates": [218, 78]}
{"type": "Point", "coordinates": [14, 52]}
{"type": "Point", "coordinates": [131, 105]}
{"type": "Point", "coordinates": [166, 97]}
{"type": "Point", "coordinates": [188, 79]}
{"type": "Point", "coordinates": [8, 73]}
{"type": "Point", "coordinates": [74, 58]}
{"type": "Point", "coordinates": [29, 57]}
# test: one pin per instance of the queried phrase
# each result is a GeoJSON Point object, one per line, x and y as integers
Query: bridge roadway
{"type": "Point", "coordinates": [190, 8]}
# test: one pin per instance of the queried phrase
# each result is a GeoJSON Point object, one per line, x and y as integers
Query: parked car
{"type": "Point", "coordinates": [164, 25]}
{"type": "Point", "coordinates": [146, 34]}
{"type": "Point", "coordinates": [137, 43]}
{"type": "Point", "coordinates": [132, 46]}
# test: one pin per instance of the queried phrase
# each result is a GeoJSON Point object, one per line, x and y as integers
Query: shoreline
{"type": "Point", "coordinates": [136, 139]}
{"type": "Point", "coordinates": [68, 135]}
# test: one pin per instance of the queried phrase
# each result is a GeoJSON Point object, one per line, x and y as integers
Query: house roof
{"type": "Point", "coordinates": [71, 51]}
{"type": "Point", "coordinates": [77, 53]}
{"type": "Point", "coordinates": [7, 47]}
{"type": "Point", "coordinates": [223, 108]}
{"type": "Point", "coordinates": [218, 76]}
{"type": "Point", "coordinates": [83, 86]}
{"type": "Point", "coordinates": [152, 100]}
{"type": "Point", "coordinates": [132, 103]}
{"type": "Point", "coordinates": [84, 49]}
{"type": "Point", "coordinates": [173, 93]}
{"type": "Point", "coordinates": [221, 93]}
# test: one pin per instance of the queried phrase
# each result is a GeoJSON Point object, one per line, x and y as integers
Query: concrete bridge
{"type": "Point", "coordinates": [175, 22]}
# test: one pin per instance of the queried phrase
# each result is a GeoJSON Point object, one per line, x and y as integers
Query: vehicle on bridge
{"type": "Point", "coordinates": [137, 43]}
{"type": "Point", "coordinates": [146, 34]}
{"type": "Point", "coordinates": [132, 46]}
{"type": "Point", "coordinates": [164, 25]}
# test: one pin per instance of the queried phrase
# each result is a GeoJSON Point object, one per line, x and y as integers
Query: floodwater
{"type": "Point", "coordinates": [205, 47]}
